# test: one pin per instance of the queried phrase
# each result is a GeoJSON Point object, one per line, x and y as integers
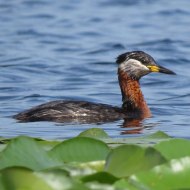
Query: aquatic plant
{"type": "Point", "coordinates": [92, 160]}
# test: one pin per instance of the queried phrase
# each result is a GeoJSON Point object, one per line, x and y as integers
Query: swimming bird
{"type": "Point", "coordinates": [131, 67]}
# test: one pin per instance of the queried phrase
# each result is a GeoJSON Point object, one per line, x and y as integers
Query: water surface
{"type": "Point", "coordinates": [53, 50]}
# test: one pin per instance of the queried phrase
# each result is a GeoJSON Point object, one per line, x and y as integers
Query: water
{"type": "Point", "coordinates": [53, 50]}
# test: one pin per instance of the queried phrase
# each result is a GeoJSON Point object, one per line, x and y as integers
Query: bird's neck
{"type": "Point", "coordinates": [132, 97]}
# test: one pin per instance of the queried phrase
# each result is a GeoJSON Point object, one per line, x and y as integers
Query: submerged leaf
{"type": "Point", "coordinates": [129, 159]}
{"type": "Point", "coordinates": [80, 149]}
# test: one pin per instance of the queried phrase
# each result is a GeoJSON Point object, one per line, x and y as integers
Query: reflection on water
{"type": "Point", "coordinates": [52, 50]}
{"type": "Point", "coordinates": [132, 126]}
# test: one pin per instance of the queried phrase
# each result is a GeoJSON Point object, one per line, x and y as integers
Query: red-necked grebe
{"type": "Point", "coordinates": [131, 67]}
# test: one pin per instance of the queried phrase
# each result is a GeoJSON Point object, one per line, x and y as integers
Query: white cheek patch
{"type": "Point", "coordinates": [132, 66]}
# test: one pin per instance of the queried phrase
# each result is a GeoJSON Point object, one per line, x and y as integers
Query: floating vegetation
{"type": "Point", "coordinates": [93, 160]}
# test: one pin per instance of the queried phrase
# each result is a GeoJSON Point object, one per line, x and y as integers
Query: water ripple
{"type": "Point", "coordinates": [66, 50]}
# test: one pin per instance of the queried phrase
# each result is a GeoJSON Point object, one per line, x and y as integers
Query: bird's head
{"type": "Point", "coordinates": [138, 63]}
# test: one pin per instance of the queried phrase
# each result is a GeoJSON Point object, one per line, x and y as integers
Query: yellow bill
{"type": "Point", "coordinates": [160, 69]}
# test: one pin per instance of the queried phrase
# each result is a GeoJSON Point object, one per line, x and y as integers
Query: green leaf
{"type": "Point", "coordinates": [129, 159]}
{"type": "Point", "coordinates": [80, 149]}
{"type": "Point", "coordinates": [21, 178]}
{"type": "Point", "coordinates": [46, 144]}
{"type": "Point", "coordinates": [174, 148]}
{"type": "Point", "coordinates": [79, 186]}
{"type": "Point", "coordinates": [25, 152]}
{"type": "Point", "coordinates": [56, 178]}
{"type": "Point", "coordinates": [97, 133]}
{"type": "Point", "coordinates": [2, 184]}
{"type": "Point", "coordinates": [123, 184]}
{"type": "Point", "coordinates": [101, 177]}
{"type": "Point", "coordinates": [173, 175]}
{"type": "Point", "coordinates": [158, 135]}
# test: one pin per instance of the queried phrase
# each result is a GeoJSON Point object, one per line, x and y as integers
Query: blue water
{"type": "Point", "coordinates": [53, 50]}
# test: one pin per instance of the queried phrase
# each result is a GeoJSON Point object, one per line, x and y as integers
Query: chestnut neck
{"type": "Point", "coordinates": [132, 97]}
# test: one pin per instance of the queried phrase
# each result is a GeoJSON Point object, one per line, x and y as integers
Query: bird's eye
{"type": "Point", "coordinates": [143, 61]}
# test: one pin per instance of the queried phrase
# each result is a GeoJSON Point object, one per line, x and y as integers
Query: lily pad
{"type": "Point", "coordinates": [25, 152]}
{"type": "Point", "coordinates": [174, 148]}
{"type": "Point", "coordinates": [22, 178]}
{"type": "Point", "coordinates": [158, 135]}
{"type": "Point", "coordinates": [80, 149]}
{"type": "Point", "coordinates": [94, 133]}
{"type": "Point", "coordinates": [129, 159]}
{"type": "Point", "coordinates": [173, 175]}
{"type": "Point", "coordinates": [123, 184]}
